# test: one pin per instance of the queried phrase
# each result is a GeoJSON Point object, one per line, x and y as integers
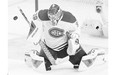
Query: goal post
{"type": "Point", "coordinates": [36, 5]}
{"type": "Point", "coordinates": [93, 2]}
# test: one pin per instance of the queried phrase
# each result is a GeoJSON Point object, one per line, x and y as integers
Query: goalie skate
{"type": "Point", "coordinates": [95, 57]}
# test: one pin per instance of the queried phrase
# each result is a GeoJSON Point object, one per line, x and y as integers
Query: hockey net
{"type": "Point", "coordinates": [90, 1]}
{"type": "Point", "coordinates": [13, 2]}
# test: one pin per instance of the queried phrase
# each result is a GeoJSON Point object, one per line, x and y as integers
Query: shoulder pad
{"type": "Point", "coordinates": [42, 14]}
{"type": "Point", "coordinates": [68, 17]}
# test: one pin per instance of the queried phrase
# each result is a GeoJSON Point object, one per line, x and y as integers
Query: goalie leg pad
{"type": "Point", "coordinates": [33, 60]}
{"type": "Point", "coordinates": [95, 57]}
{"type": "Point", "coordinates": [76, 59]}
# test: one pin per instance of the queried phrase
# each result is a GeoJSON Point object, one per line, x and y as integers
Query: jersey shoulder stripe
{"type": "Point", "coordinates": [68, 17]}
{"type": "Point", "coordinates": [42, 14]}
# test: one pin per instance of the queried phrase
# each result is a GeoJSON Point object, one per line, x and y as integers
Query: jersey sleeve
{"type": "Point", "coordinates": [74, 30]}
{"type": "Point", "coordinates": [41, 15]}
{"type": "Point", "coordinates": [71, 19]}
{"type": "Point", "coordinates": [77, 28]}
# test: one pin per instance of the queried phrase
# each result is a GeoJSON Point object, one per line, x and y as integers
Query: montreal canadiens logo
{"type": "Point", "coordinates": [56, 32]}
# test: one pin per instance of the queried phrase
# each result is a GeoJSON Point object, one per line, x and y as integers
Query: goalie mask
{"type": "Point", "coordinates": [55, 14]}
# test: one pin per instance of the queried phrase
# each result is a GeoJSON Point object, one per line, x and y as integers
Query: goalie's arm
{"type": "Point", "coordinates": [73, 39]}
{"type": "Point", "coordinates": [74, 31]}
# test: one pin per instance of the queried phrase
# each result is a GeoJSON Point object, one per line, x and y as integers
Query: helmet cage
{"type": "Point", "coordinates": [54, 14]}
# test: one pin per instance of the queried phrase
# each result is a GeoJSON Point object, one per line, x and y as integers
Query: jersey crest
{"type": "Point", "coordinates": [56, 32]}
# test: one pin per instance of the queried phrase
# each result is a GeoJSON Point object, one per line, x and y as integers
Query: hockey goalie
{"type": "Point", "coordinates": [56, 33]}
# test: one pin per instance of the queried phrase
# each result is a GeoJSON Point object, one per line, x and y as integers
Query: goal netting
{"type": "Point", "coordinates": [90, 1]}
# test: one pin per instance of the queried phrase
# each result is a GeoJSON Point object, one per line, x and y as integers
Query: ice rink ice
{"type": "Point", "coordinates": [18, 30]}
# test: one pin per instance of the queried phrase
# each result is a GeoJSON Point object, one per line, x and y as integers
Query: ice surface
{"type": "Point", "coordinates": [18, 30]}
{"type": "Point", "coordinates": [17, 67]}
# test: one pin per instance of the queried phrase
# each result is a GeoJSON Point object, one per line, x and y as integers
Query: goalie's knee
{"type": "Point", "coordinates": [75, 59]}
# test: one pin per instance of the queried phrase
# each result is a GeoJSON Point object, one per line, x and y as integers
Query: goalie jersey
{"type": "Point", "coordinates": [53, 36]}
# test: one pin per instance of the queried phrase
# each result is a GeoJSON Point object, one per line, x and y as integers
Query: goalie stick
{"type": "Point", "coordinates": [48, 54]}
{"type": "Point", "coordinates": [21, 11]}
{"type": "Point", "coordinates": [46, 51]}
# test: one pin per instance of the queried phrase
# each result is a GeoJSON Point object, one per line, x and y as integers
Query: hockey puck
{"type": "Point", "coordinates": [15, 18]}
{"type": "Point", "coordinates": [97, 27]}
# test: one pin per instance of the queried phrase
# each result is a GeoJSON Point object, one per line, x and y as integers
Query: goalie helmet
{"type": "Point", "coordinates": [55, 14]}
